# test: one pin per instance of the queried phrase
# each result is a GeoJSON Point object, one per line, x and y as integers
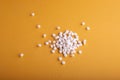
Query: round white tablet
{"type": "Point", "coordinates": [63, 62]}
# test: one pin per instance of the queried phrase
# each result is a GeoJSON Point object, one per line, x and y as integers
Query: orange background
{"type": "Point", "coordinates": [18, 33]}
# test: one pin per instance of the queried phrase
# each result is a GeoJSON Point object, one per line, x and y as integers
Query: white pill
{"type": "Point", "coordinates": [60, 51]}
{"type": "Point", "coordinates": [44, 35]}
{"type": "Point", "coordinates": [57, 37]}
{"type": "Point", "coordinates": [53, 35]}
{"type": "Point", "coordinates": [80, 51]}
{"type": "Point", "coordinates": [65, 55]}
{"type": "Point", "coordinates": [49, 41]}
{"type": "Point", "coordinates": [60, 58]}
{"type": "Point", "coordinates": [67, 31]}
{"type": "Point", "coordinates": [87, 28]}
{"type": "Point", "coordinates": [53, 51]}
{"type": "Point", "coordinates": [61, 33]}
{"type": "Point", "coordinates": [38, 26]}
{"type": "Point", "coordinates": [55, 48]}
{"type": "Point", "coordinates": [80, 44]}
{"type": "Point", "coordinates": [63, 62]}
{"type": "Point", "coordinates": [54, 41]}
{"type": "Point", "coordinates": [72, 55]}
{"type": "Point", "coordinates": [51, 46]}
{"type": "Point", "coordinates": [82, 23]}
{"type": "Point", "coordinates": [58, 27]}
{"type": "Point", "coordinates": [21, 55]}
{"type": "Point", "coordinates": [39, 45]}
{"type": "Point", "coordinates": [84, 42]}
{"type": "Point", "coordinates": [32, 14]}
{"type": "Point", "coordinates": [46, 43]}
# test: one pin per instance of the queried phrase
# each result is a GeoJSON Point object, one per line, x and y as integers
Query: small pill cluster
{"type": "Point", "coordinates": [65, 43]}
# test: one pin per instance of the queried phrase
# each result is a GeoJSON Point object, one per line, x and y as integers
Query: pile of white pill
{"type": "Point", "coordinates": [65, 43]}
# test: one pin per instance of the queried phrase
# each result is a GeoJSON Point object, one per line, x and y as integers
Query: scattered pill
{"type": "Point", "coordinates": [88, 28]}
{"type": "Point", "coordinates": [38, 26]}
{"type": "Point", "coordinates": [53, 51]}
{"type": "Point", "coordinates": [21, 55]}
{"type": "Point", "coordinates": [32, 14]}
{"type": "Point", "coordinates": [51, 46]}
{"type": "Point", "coordinates": [39, 45]}
{"type": "Point", "coordinates": [55, 48]}
{"type": "Point", "coordinates": [84, 42]}
{"type": "Point", "coordinates": [49, 41]}
{"type": "Point", "coordinates": [46, 43]}
{"type": "Point", "coordinates": [53, 35]}
{"type": "Point", "coordinates": [82, 23]}
{"type": "Point", "coordinates": [60, 58]}
{"type": "Point", "coordinates": [58, 27]}
{"type": "Point", "coordinates": [63, 62]}
{"type": "Point", "coordinates": [80, 52]}
{"type": "Point", "coordinates": [72, 55]}
{"type": "Point", "coordinates": [44, 35]}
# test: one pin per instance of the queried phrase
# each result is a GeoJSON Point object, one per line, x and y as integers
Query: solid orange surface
{"type": "Point", "coordinates": [18, 33]}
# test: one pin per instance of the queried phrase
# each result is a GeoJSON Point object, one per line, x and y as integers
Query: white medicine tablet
{"type": "Point", "coordinates": [63, 62]}
{"type": "Point", "coordinates": [72, 55]}
{"type": "Point", "coordinates": [87, 28]}
{"type": "Point", "coordinates": [60, 58]}
{"type": "Point", "coordinates": [82, 23]}
{"type": "Point", "coordinates": [49, 41]}
{"type": "Point", "coordinates": [55, 48]}
{"type": "Point", "coordinates": [44, 35]}
{"type": "Point", "coordinates": [38, 26]}
{"type": "Point", "coordinates": [58, 27]}
{"type": "Point", "coordinates": [65, 55]}
{"type": "Point", "coordinates": [53, 35]}
{"type": "Point", "coordinates": [46, 43]}
{"type": "Point", "coordinates": [84, 42]}
{"type": "Point", "coordinates": [32, 14]}
{"type": "Point", "coordinates": [53, 51]}
{"type": "Point", "coordinates": [39, 45]}
{"type": "Point", "coordinates": [51, 46]}
{"type": "Point", "coordinates": [21, 55]}
{"type": "Point", "coordinates": [80, 52]}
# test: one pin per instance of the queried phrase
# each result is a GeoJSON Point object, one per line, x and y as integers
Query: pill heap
{"type": "Point", "coordinates": [66, 42]}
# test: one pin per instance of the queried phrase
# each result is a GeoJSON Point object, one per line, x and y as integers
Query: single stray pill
{"type": "Point", "coordinates": [39, 45]}
{"type": "Point", "coordinates": [46, 43]}
{"type": "Point", "coordinates": [21, 55]}
{"type": "Point", "coordinates": [53, 51]}
{"type": "Point", "coordinates": [58, 27]}
{"type": "Point", "coordinates": [38, 26]}
{"type": "Point", "coordinates": [80, 51]}
{"type": "Point", "coordinates": [84, 42]}
{"type": "Point", "coordinates": [51, 46]}
{"type": "Point", "coordinates": [63, 62]}
{"type": "Point", "coordinates": [32, 14]}
{"type": "Point", "coordinates": [87, 28]}
{"type": "Point", "coordinates": [44, 35]}
{"type": "Point", "coordinates": [60, 58]}
{"type": "Point", "coordinates": [72, 55]}
{"type": "Point", "coordinates": [53, 35]}
{"type": "Point", "coordinates": [49, 41]}
{"type": "Point", "coordinates": [82, 23]}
